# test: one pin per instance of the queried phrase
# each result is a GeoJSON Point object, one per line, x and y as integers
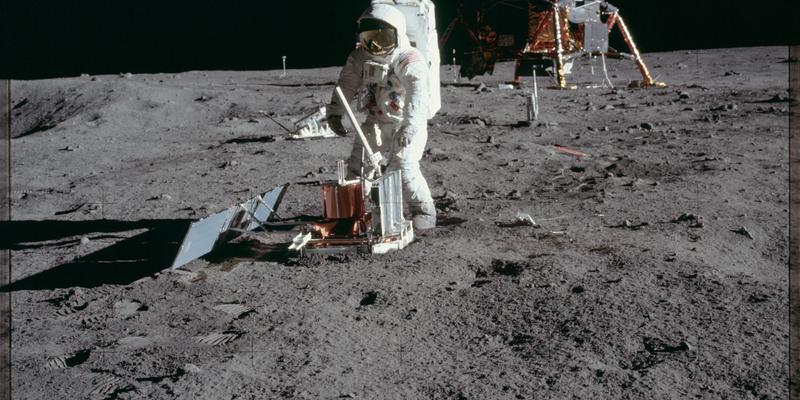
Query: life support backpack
{"type": "Point", "coordinates": [421, 31]}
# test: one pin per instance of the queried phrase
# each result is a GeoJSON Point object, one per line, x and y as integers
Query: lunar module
{"type": "Point", "coordinates": [558, 32]}
{"type": "Point", "coordinates": [571, 28]}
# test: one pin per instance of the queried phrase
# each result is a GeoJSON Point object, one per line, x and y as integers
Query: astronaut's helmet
{"type": "Point", "coordinates": [382, 29]}
{"type": "Point", "coordinates": [377, 37]}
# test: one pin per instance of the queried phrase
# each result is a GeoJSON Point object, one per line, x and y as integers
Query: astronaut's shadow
{"type": "Point", "coordinates": [122, 263]}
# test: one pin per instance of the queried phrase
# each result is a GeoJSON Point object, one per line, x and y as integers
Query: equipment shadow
{"type": "Point", "coordinates": [119, 264]}
{"type": "Point", "coordinates": [249, 248]}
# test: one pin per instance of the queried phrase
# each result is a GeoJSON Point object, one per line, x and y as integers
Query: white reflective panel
{"type": "Point", "coordinates": [595, 37]}
{"type": "Point", "coordinates": [590, 12]}
{"type": "Point", "coordinates": [205, 234]}
{"type": "Point", "coordinates": [566, 3]}
{"type": "Point", "coordinates": [390, 194]}
{"type": "Point", "coordinates": [201, 237]}
{"type": "Point", "coordinates": [263, 211]}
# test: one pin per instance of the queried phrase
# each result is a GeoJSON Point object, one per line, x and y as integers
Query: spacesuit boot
{"type": "Point", "coordinates": [423, 215]}
{"type": "Point", "coordinates": [419, 200]}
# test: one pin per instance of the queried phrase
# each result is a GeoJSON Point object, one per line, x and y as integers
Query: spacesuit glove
{"type": "Point", "coordinates": [335, 123]}
{"type": "Point", "coordinates": [404, 137]}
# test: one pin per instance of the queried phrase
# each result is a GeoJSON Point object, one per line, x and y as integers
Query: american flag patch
{"type": "Point", "coordinates": [409, 57]}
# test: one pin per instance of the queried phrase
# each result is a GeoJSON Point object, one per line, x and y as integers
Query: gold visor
{"type": "Point", "coordinates": [379, 42]}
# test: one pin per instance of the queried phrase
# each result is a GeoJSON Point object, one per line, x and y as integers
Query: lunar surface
{"type": "Point", "coordinates": [656, 268]}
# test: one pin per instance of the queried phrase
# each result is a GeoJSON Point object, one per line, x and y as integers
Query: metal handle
{"type": "Point", "coordinates": [375, 160]}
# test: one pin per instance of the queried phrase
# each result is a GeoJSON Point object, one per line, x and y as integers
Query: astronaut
{"type": "Point", "coordinates": [390, 77]}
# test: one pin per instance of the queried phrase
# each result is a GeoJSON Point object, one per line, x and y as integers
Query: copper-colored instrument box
{"type": "Point", "coordinates": [343, 201]}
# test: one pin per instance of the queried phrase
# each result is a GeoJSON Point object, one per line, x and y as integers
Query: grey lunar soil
{"type": "Point", "coordinates": [658, 269]}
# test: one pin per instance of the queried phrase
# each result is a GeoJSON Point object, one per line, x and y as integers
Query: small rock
{"type": "Point", "coordinates": [482, 89]}
{"type": "Point", "coordinates": [655, 345]}
{"type": "Point", "coordinates": [508, 268]}
{"type": "Point", "coordinates": [758, 298]}
{"type": "Point", "coordinates": [514, 195]}
{"type": "Point", "coordinates": [636, 84]}
{"type": "Point", "coordinates": [683, 95]}
{"type": "Point", "coordinates": [322, 170]}
{"type": "Point", "coordinates": [776, 110]}
{"type": "Point", "coordinates": [202, 99]}
{"type": "Point", "coordinates": [522, 219]}
{"type": "Point", "coordinates": [607, 107]}
{"type": "Point", "coordinates": [191, 368]}
{"type": "Point", "coordinates": [474, 121]}
{"type": "Point", "coordinates": [725, 107]}
{"type": "Point", "coordinates": [126, 75]}
{"type": "Point", "coordinates": [628, 224]}
{"type": "Point", "coordinates": [161, 197]}
{"type": "Point", "coordinates": [85, 240]}
{"type": "Point", "coordinates": [437, 154]}
{"type": "Point", "coordinates": [369, 298]}
{"type": "Point", "coordinates": [229, 164]}
{"type": "Point", "coordinates": [490, 140]}
{"type": "Point", "coordinates": [685, 217]}
{"type": "Point", "coordinates": [778, 98]}
{"type": "Point", "coordinates": [743, 231]}
{"type": "Point", "coordinates": [646, 126]}
{"type": "Point", "coordinates": [128, 308]}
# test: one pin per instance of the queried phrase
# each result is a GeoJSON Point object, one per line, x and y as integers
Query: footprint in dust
{"type": "Point", "coordinates": [107, 386]}
{"type": "Point", "coordinates": [128, 308]}
{"type": "Point", "coordinates": [69, 304]}
{"type": "Point", "coordinates": [234, 309]}
{"type": "Point", "coordinates": [217, 339]}
{"type": "Point", "coordinates": [68, 360]}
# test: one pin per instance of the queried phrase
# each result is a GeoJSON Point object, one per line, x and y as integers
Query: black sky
{"type": "Point", "coordinates": [52, 38]}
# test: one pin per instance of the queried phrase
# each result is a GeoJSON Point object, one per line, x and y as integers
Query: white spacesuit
{"type": "Point", "coordinates": [392, 77]}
